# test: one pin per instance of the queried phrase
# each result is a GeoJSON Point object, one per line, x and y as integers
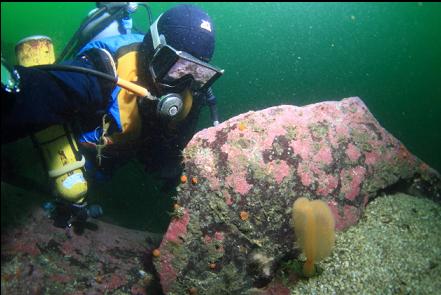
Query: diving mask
{"type": "Point", "coordinates": [175, 70]}
{"type": "Point", "coordinates": [172, 68]}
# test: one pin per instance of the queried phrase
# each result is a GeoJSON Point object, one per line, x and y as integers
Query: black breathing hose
{"type": "Point", "coordinates": [82, 70]}
{"type": "Point", "coordinates": [211, 101]}
{"type": "Point", "coordinates": [74, 40]}
{"type": "Point", "coordinates": [149, 12]}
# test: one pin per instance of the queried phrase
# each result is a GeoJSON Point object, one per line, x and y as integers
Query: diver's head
{"type": "Point", "coordinates": [178, 47]}
{"type": "Point", "coordinates": [186, 28]}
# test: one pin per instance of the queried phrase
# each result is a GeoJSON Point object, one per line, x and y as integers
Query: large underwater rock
{"type": "Point", "coordinates": [232, 222]}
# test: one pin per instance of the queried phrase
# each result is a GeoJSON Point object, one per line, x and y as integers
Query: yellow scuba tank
{"type": "Point", "coordinates": [35, 50]}
{"type": "Point", "coordinates": [62, 159]}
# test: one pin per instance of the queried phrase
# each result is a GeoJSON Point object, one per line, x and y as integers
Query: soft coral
{"type": "Point", "coordinates": [314, 227]}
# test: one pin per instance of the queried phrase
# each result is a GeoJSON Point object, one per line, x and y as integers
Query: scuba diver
{"type": "Point", "coordinates": [113, 94]}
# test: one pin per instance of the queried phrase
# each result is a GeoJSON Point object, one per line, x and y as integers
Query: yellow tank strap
{"type": "Point", "coordinates": [67, 168]}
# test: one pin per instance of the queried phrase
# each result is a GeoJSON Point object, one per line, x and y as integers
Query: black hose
{"type": "Point", "coordinates": [149, 12]}
{"type": "Point", "coordinates": [76, 41]}
{"type": "Point", "coordinates": [214, 113]}
{"type": "Point", "coordinates": [67, 68]}
{"type": "Point", "coordinates": [211, 101]}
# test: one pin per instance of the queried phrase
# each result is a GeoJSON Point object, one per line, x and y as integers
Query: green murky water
{"type": "Point", "coordinates": [293, 53]}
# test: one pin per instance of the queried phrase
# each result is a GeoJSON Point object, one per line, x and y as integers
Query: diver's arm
{"type": "Point", "coordinates": [46, 98]}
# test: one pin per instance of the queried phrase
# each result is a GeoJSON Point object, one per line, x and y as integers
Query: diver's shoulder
{"type": "Point", "coordinates": [123, 38]}
{"type": "Point", "coordinates": [113, 43]}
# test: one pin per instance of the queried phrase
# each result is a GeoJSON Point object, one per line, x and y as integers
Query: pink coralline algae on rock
{"type": "Point", "coordinates": [38, 258]}
{"type": "Point", "coordinates": [260, 163]}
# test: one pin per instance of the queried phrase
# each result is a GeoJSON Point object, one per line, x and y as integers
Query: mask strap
{"type": "Point", "coordinates": [157, 39]}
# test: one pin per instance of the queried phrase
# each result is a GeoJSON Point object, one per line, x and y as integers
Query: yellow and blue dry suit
{"type": "Point", "coordinates": [108, 119]}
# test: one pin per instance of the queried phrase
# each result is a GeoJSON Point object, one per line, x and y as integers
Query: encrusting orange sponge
{"type": "Point", "coordinates": [314, 226]}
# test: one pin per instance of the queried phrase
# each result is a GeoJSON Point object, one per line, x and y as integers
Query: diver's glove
{"type": "Point", "coordinates": [64, 213]}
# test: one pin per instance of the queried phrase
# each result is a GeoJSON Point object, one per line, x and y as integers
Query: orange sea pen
{"type": "Point", "coordinates": [314, 226]}
{"type": "Point", "coordinates": [183, 179]}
